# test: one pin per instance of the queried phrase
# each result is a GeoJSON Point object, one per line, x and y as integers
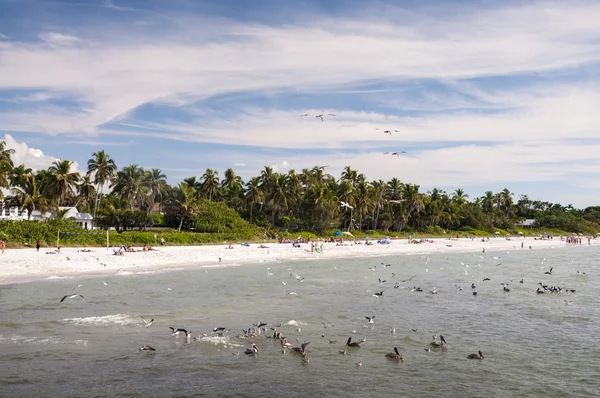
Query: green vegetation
{"type": "Point", "coordinates": [133, 202]}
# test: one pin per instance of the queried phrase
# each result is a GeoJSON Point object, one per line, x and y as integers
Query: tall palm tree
{"type": "Point", "coordinates": [156, 183]}
{"type": "Point", "coordinates": [280, 196]}
{"type": "Point", "coordinates": [29, 197]}
{"type": "Point", "coordinates": [184, 199]}
{"type": "Point", "coordinates": [6, 166]}
{"type": "Point", "coordinates": [86, 191]}
{"type": "Point", "coordinates": [104, 169]}
{"type": "Point", "coordinates": [210, 184]}
{"type": "Point", "coordinates": [195, 184]}
{"type": "Point", "coordinates": [254, 193]}
{"type": "Point", "coordinates": [20, 175]}
{"type": "Point", "coordinates": [128, 185]}
{"type": "Point", "coordinates": [63, 179]}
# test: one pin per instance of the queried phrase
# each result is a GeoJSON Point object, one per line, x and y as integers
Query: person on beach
{"type": "Point", "coordinates": [38, 243]}
{"type": "Point", "coordinates": [3, 246]}
{"type": "Point", "coordinates": [162, 241]}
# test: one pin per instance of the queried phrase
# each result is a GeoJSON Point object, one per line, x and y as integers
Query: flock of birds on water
{"type": "Point", "coordinates": [324, 115]}
{"type": "Point", "coordinates": [260, 330]}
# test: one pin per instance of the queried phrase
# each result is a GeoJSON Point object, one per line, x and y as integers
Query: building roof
{"type": "Point", "coordinates": [527, 222]}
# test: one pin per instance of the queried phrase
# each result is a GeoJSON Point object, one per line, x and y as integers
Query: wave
{"type": "Point", "coordinates": [218, 341]}
{"type": "Point", "coordinates": [54, 277]}
{"type": "Point", "coordinates": [18, 339]}
{"type": "Point", "coordinates": [107, 320]}
{"type": "Point", "coordinates": [293, 323]}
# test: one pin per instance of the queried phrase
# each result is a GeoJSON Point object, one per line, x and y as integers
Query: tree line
{"type": "Point", "coordinates": [310, 200]}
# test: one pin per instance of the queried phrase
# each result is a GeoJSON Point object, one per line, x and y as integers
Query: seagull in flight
{"type": "Point", "coordinates": [345, 204]}
{"type": "Point", "coordinates": [148, 323]}
{"type": "Point", "coordinates": [388, 131]}
{"type": "Point", "coordinates": [370, 318]}
{"type": "Point", "coordinates": [70, 296]}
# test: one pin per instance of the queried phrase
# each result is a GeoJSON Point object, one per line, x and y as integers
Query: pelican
{"type": "Point", "coordinates": [251, 351]}
{"type": "Point", "coordinates": [438, 343]}
{"type": "Point", "coordinates": [394, 355]}
{"type": "Point", "coordinates": [355, 344]}
{"type": "Point", "coordinates": [285, 343]}
{"type": "Point", "coordinates": [301, 350]}
{"type": "Point", "coordinates": [479, 355]}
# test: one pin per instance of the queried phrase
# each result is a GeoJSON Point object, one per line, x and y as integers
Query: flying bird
{"type": "Point", "coordinates": [345, 204]}
{"type": "Point", "coordinates": [148, 323]}
{"type": "Point", "coordinates": [70, 296]}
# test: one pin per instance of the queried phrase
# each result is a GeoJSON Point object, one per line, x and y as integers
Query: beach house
{"type": "Point", "coordinates": [527, 223]}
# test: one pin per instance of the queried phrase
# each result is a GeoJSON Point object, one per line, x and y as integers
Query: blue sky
{"type": "Point", "coordinates": [484, 95]}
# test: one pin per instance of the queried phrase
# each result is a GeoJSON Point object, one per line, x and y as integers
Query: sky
{"type": "Point", "coordinates": [484, 95]}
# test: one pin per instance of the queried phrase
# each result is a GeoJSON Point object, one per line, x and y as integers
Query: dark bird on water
{"type": "Point", "coordinates": [147, 348]}
{"type": "Point", "coordinates": [251, 351]}
{"type": "Point", "coordinates": [70, 296]}
{"type": "Point", "coordinates": [355, 344]}
{"type": "Point", "coordinates": [301, 350]}
{"type": "Point", "coordinates": [394, 355]}
{"type": "Point", "coordinates": [479, 355]}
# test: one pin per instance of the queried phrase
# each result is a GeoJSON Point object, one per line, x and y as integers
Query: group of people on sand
{"type": "Point", "coordinates": [129, 249]}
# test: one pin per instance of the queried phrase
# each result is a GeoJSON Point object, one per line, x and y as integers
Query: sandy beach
{"type": "Point", "coordinates": [27, 264]}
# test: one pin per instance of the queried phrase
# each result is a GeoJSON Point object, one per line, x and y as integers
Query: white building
{"type": "Point", "coordinates": [11, 212]}
{"type": "Point", "coordinates": [8, 212]}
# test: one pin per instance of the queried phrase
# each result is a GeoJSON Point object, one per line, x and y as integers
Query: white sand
{"type": "Point", "coordinates": [19, 265]}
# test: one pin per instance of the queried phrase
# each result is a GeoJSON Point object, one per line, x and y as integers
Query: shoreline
{"type": "Point", "coordinates": [28, 265]}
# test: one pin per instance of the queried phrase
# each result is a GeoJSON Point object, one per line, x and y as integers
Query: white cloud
{"type": "Point", "coordinates": [113, 76]}
{"type": "Point", "coordinates": [31, 157]}
{"type": "Point", "coordinates": [56, 39]}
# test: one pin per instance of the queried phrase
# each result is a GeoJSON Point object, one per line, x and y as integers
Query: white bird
{"type": "Point", "coordinates": [70, 296]}
{"type": "Point", "coordinates": [105, 284]}
{"type": "Point", "coordinates": [344, 204]}
{"type": "Point", "coordinates": [148, 323]}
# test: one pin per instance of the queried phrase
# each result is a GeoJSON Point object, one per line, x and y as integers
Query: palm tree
{"type": "Point", "coordinates": [210, 184]}
{"type": "Point", "coordinates": [63, 179]}
{"type": "Point", "coordinates": [280, 196]}
{"type": "Point", "coordinates": [128, 185]}
{"type": "Point", "coordinates": [20, 175]}
{"type": "Point", "coordinates": [254, 193]}
{"type": "Point", "coordinates": [29, 197]}
{"type": "Point", "coordinates": [195, 184]}
{"type": "Point", "coordinates": [86, 191]}
{"type": "Point", "coordinates": [156, 183]}
{"type": "Point", "coordinates": [6, 166]}
{"type": "Point", "coordinates": [184, 198]}
{"type": "Point", "coordinates": [459, 197]}
{"type": "Point", "coordinates": [104, 169]}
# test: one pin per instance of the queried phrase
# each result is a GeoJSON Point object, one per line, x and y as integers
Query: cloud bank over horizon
{"type": "Point", "coordinates": [483, 97]}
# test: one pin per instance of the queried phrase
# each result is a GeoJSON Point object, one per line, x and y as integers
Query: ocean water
{"type": "Point", "coordinates": [534, 345]}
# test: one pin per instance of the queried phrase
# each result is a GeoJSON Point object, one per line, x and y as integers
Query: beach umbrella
{"type": "Point", "coordinates": [337, 233]}
{"type": "Point", "coordinates": [496, 233]}
{"type": "Point", "coordinates": [520, 233]}
{"type": "Point", "coordinates": [545, 233]}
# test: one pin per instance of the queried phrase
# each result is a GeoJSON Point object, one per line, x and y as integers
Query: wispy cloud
{"type": "Point", "coordinates": [476, 93]}
{"type": "Point", "coordinates": [56, 39]}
